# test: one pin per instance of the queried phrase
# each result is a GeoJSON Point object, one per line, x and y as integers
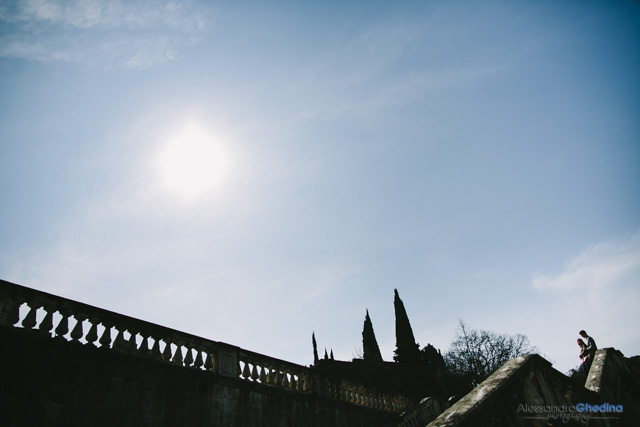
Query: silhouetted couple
{"type": "Point", "coordinates": [587, 351]}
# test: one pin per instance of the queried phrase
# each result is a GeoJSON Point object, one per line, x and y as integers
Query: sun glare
{"type": "Point", "coordinates": [193, 164]}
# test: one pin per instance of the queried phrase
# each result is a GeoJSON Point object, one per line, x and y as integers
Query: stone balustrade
{"type": "Point", "coordinates": [82, 324]}
{"type": "Point", "coordinates": [424, 412]}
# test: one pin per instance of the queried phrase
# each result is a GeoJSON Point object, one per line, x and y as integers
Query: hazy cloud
{"type": "Point", "coordinates": [108, 34]}
{"type": "Point", "coordinates": [598, 268]}
{"type": "Point", "coordinates": [354, 80]}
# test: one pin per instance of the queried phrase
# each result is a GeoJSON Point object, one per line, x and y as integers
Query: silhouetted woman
{"type": "Point", "coordinates": [584, 356]}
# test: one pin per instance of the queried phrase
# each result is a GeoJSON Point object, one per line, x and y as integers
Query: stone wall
{"type": "Point", "coordinates": [519, 394]}
{"type": "Point", "coordinates": [527, 391]}
{"type": "Point", "coordinates": [50, 382]}
{"type": "Point", "coordinates": [66, 363]}
{"type": "Point", "coordinates": [411, 379]}
{"type": "Point", "coordinates": [615, 379]}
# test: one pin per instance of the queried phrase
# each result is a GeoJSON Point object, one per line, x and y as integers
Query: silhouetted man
{"type": "Point", "coordinates": [591, 347]}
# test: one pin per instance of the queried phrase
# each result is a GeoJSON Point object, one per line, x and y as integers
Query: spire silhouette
{"type": "Point", "coordinates": [370, 348]}
{"type": "Point", "coordinates": [407, 351]}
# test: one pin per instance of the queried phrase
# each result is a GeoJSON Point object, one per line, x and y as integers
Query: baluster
{"type": "Point", "coordinates": [263, 375]}
{"type": "Point", "coordinates": [246, 373]}
{"type": "Point", "coordinates": [198, 362]}
{"type": "Point", "coordinates": [119, 343]}
{"type": "Point", "coordinates": [188, 361]}
{"type": "Point", "coordinates": [166, 354]}
{"type": "Point", "coordinates": [271, 378]}
{"type": "Point", "coordinates": [47, 323]}
{"type": "Point", "coordinates": [5, 307]}
{"type": "Point", "coordinates": [208, 362]}
{"type": "Point", "coordinates": [92, 336]}
{"type": "Point", "coordinates": [285, 380]}
{"type": "Point", "coordinates": [278, 380]}
{"type": "Point", "coordinates": [105, 339]}
{"type": "Point", "coordinates": [13, 316]}
{"type": "Point", "coordinates": [144, 346]}
{"type": "Point", "coordinates": [63, 326]}
{"type": "Point", "coordinates": [77, 331]}
{"type": "Point", "coordinates": [131, 345]}
{"type": "Point", "coordinates": [215, 360]}
{"type": "Point", "coordinates": [254, 373]}
{"type": "Point", "coordinates": [29, 321]}
{"type": "Point", "coordinates": [177, 356]}
{"type": "Point", "coordinates": [155, 350]}
{"type": "Point", "coordinates": [294, 383]}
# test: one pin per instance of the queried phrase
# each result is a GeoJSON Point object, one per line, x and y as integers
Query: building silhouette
{"type": "Point", "coordinates": [66, 363]}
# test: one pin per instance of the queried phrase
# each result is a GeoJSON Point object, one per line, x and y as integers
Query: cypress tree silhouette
{"type": "Point", "coordinates": [407, 351]}
{"type": "Point", "coordinates": [433, 357]}
{"type": "Point", "coordinates": [315, 348]}
{"type": "Point", "coordinates": [370, 348]}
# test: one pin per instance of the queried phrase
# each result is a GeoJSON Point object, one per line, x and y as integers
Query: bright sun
{"type": "Point", "coordinates": [193, 163]}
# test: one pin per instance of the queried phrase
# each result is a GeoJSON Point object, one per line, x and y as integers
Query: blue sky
{"type": "Point", "coordinates": [251, 173]}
